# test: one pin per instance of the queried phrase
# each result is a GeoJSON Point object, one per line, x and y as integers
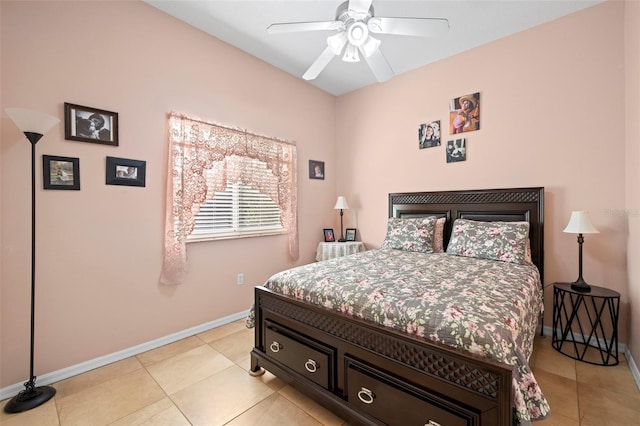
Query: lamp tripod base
{"type": "Point", "coordinates": [29, 398]}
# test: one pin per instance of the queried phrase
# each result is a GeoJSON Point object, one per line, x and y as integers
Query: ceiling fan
{"type": "Point", "coordinates": [355, 22]}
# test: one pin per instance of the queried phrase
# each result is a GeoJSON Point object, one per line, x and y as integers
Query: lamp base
{"type": "Point", "coordinates": [581, 286]}
{"type": "Point", "coordinates": [28, 399]}
{"type": "Point", "coordinates": [341, 240]}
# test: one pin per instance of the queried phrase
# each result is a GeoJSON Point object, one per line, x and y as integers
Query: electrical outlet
{"type": "Point", "coordinates": [240, 279]}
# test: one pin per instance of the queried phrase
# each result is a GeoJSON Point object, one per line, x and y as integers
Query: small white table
{"type": "Point", "coordinates": [332, 250]}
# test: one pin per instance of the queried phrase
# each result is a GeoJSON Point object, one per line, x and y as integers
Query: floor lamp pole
{"type": "Point", "coordinates": [31, 396]}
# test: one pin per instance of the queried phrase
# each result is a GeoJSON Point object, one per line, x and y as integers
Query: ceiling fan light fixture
{"type": "Point", "coordinates": [357, 33]}
{"type": "Point", "coordinates": [370, 46]}
{"type": "Point", "coordinates": [336, 42]}
{"type": "Point", "coordinates": [351, 54]}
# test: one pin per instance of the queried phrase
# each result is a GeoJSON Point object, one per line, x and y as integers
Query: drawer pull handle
{"type": "Point", "coordinates": [366, 396]}
{"type": "Point", "coordinates": [432, 423]}
{"type": "Point", "coordinates": [311, 366]}
{"type": "Point", "coordinates": [275, 347]}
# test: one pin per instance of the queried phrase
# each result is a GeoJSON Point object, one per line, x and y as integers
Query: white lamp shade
{"type": "Point", "coordinates": [341, 203]}
{"type": "Point", "coordinates": [32, 121]}
{"type": "Point", "coordinates": [580, 223]}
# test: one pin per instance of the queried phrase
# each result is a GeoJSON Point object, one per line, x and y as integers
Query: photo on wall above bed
{"type": "Point", "coordinates": [464, 113]}
{"type": "Point", "coordinates": [429, 134]}
{"type": "Point", "coordinates": [456, 150]}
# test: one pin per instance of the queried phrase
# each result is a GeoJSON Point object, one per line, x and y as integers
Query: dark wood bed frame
{"type": "Point", "coordinates": [372, 375]}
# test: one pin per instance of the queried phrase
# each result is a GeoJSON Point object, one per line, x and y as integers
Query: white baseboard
{"type": "Point", "coordinates": [74, 370]}
{"type": "Point", "coordinates": [633, 367]}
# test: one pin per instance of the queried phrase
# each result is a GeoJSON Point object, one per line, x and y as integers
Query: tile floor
{"type": "Point", "coordinates": [203, 380]}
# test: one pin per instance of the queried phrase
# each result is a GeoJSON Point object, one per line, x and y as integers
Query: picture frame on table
{"type": "Point", "coordinates": [124, 171]}
{"type": "Point", "coordinates": [61, 172]}
{"type": "Point", "coordinates": [88, 124]}
{"type": "Point", "coordinates": [350, 234]}
{"type": "Point", "coordinates": [329, 236]}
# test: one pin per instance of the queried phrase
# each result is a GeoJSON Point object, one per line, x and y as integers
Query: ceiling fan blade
{"type": "Point", "coordinates": [358, 9]}
{"type": "Point", "coordinates": [378, 64]}
{"type": "Point", "coordinates": [419, 27]}
{"type": "Point", "coordinates": [292, 27]}
{"type": "Point", "coordinates": [319, 64]}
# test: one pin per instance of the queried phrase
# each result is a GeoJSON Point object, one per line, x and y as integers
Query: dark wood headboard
{"type": "Point", "coordinates": [508, 205]}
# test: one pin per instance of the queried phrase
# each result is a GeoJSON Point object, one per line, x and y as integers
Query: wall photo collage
{"type": "Point", "coordinates": [464, 116]}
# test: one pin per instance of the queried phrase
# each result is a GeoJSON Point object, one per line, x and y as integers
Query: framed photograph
{"type": "Point", "coordinates": [316, 169]}
{"type": "Point", "coordinates": [350, 234]}
{"type": "Point", "coordinates": [86, 124]}
{"type": "Point", "coordinates": [464, 113]}
{"type": "Point", "coordinates": [122, 171]}
{"type": "Point", "coordinates": [456, 151]}
{"type": "Point", "coordinates": [328, 235]}
{"type": "Point", "coordinates": [429, 134]}
{"type": "Point", "coordinates": [61, 172]}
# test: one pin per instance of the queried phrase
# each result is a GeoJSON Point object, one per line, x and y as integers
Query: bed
{"type": "Point", "coordinates": [408, 352]}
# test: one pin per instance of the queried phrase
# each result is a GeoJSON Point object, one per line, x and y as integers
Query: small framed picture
{"type": "Point", "coordinates": [429, 134]}
{"type": "Point", "coordinates": [61, 172]}
{"type": "Point", "coordinates": [328, 235]}
{"type": "Point", "coordinates": [123, 171]}
{"type": "Point", "coordinates": [316, 169]}
{"type": "Point", "coordinates": [456, 151]}
{"type": "Point", "coordinates": [86, 124]}
{"type": "Point", "coordinates": [350, 234]}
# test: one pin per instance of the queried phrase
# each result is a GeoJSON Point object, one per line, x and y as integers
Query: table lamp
{"type": "Point", "coordinates": [341, 204]}
{"type": "Point", "coordinates": [580, 223]}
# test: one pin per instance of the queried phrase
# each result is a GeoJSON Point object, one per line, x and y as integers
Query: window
{"type": "Point", "coordinates": [225, 183]}
{"type": "Point", "coordinates": [238, 211]}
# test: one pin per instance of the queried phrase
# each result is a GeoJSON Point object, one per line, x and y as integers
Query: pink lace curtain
{"type": "Point", "coordinates": [203, 157]}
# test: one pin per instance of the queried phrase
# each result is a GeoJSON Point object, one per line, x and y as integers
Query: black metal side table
{"type": "Point", "coordinates": [586, 320]}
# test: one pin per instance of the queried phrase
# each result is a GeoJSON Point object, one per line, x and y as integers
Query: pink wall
{"type": "Point", "coordinates": [632, 107]}
{"type": "Point", "coordinates": [99, 249]}
{"type": "Point", "coordinates": [552, 110]}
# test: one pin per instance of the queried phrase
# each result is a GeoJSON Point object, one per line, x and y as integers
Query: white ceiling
{"type": "Point", "coordinates": [243, 24]}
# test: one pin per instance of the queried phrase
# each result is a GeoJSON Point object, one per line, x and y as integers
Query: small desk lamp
{"type": "Point", "coordinates": [580, 223]}
{"type": "Point", "coordinates": [34, 125]}
{"type": "Point", "coordinates": [342, 205]}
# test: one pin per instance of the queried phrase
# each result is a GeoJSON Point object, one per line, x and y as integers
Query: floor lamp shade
{"type": "Point", "coordinates": [580, 223]}
{"type": "Point", "coordinates": [34, 125]}
{"type": "Point", "coordinates": [341, 204]}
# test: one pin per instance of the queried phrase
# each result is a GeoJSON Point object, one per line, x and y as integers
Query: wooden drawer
{"type": "Point", "coordinates": [396, 403]}
{"type": "Point", "coordinates": [306, 357]}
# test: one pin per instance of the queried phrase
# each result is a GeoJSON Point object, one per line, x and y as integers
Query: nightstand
{"type": "Point", "coordinates": [583, 321]}
{"type": "Point", "coordinates": [326, 251]}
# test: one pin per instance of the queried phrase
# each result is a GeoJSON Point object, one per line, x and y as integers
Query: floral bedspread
{"type": "Point", "coordinates": [486, 307]}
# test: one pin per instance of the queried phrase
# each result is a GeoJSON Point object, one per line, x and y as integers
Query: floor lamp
{"type": "Point", "coordinates": [34, 125]}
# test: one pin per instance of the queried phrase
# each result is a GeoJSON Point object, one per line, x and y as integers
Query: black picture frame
{"type": "Point", "coordinates": [329, 236]}
{"type": "Point", "coordinates": [124, 171]}
{"type": "Point", "coordinates": [61, 173]}
{"type": "Point", "coordinates": [88, 124]}
{"type": "Point", "coordinates": [350, 234]}
{"type": "Point", "coordinates": [316, 169]}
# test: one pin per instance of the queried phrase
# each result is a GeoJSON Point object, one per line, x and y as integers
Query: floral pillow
{"type": "Point", "coordinates": [415, 234]}
{"type": "Point", "coordinates": [504, 241]}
